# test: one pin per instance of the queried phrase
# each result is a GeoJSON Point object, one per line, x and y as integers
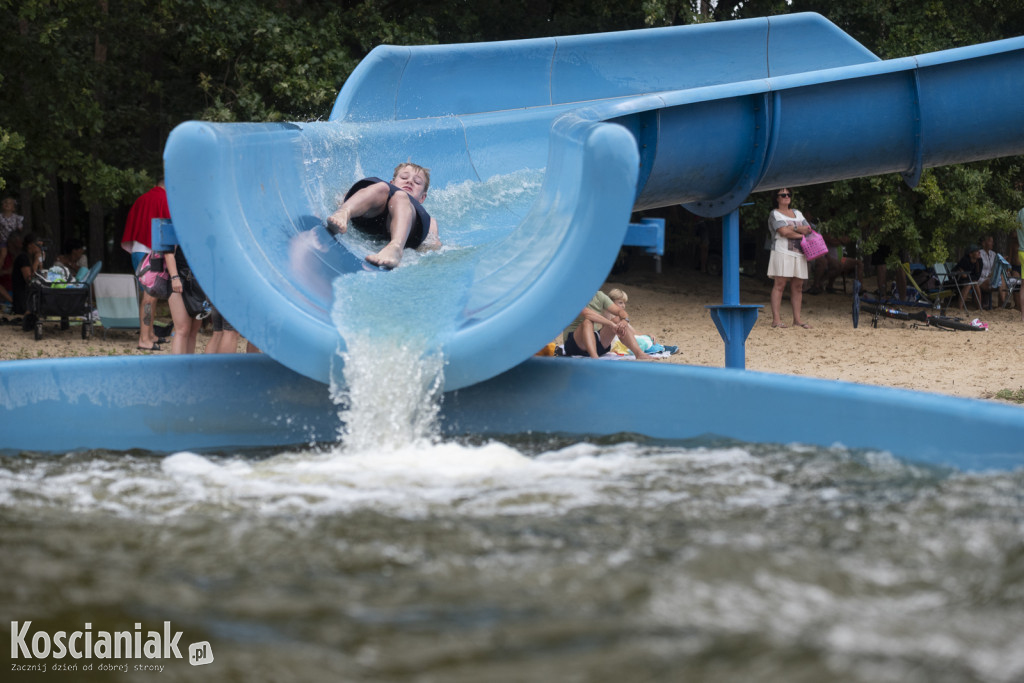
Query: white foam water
{"type": "Point", "coordinates": [391, 396]}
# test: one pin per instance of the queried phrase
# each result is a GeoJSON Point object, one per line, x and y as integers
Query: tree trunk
{"type": "Point", "coordinates": [27, 198]}
{"type": "Point", "coordinates": [97, 239]}
{"type": "Point", "coordinates": [51, 211]}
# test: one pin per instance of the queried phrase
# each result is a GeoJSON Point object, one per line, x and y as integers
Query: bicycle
{"type": "Point", "coordinates": [880, 309]}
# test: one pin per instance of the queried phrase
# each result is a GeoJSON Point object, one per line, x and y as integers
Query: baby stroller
{"type": "Point", "coordinates": [65, 301]}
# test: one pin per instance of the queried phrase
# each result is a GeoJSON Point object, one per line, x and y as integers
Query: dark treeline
{"type": "Point", "coordinates": [91, 89]}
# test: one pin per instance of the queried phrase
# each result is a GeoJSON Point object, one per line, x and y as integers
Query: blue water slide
{"type": "Point", "coordinates": [698, 115]}
{"type": "Point", "coordinates": [539, 151]}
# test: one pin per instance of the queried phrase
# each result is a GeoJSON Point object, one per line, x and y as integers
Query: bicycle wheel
{"type": "Point", "coordinates": [952, 324]}
{"type": "Point", "coordinates": [856, 303]}
{"type": "Point", "coordinates": [890, 312]}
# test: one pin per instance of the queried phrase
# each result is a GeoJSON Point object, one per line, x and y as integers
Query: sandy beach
{"type": "Point", "coordinates": [672, 307]}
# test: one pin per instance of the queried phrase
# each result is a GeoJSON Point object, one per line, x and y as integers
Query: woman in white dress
{"type": "Point", "coordinates": [787, 263]}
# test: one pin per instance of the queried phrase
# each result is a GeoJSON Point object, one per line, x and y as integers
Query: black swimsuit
{"type": "Point", "coordinates": [378, 225]}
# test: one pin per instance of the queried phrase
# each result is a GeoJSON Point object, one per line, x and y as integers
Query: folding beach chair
{"type": "Point", "coordinates": [1001, 273]}
{"type": "Point", "coordinates": [948, 278]}
{"type": "Point", "coordinates": [937, 296]}
{"type": "Point", "coordinates": [90, 275]}
{"type": "Point", "coordinates": [117, 300]}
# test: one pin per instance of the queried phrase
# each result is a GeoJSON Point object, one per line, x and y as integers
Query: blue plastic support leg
{"type": "Point", "coordinates": [650, 234]}
{"type": "Point", "coordinates": [733, 320]}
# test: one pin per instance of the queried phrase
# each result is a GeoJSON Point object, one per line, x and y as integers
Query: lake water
{"type": "Point", "coordinates": [526, 561]}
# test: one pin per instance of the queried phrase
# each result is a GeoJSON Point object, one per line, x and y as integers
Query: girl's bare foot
{"type": "Point", "coordinates": [337, 224]}
{"type": "Point", "coordinates": [388, 258]}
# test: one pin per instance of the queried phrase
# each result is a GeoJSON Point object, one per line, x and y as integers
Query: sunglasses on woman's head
{"type": "Point", "coordinates": [783, 194]}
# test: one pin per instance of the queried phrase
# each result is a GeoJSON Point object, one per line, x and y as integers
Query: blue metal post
{"type": "Point", "coordinates": [733, 320]}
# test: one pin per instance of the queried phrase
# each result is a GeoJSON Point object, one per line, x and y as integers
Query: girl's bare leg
{"type": "Point", "coordinates": [400, 217]}
{"type": "Point", "coordinates": [369, 201]}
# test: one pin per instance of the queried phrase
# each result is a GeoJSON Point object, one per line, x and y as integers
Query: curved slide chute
{"type": "Point", "coordinates": [539, 152]}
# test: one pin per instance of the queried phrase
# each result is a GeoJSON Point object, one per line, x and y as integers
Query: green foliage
{"type": "Point", "coordinates": [899, 28]}
{"type": "Point", "coordinates": [249, 61]}
{"type": "Point", "coordinates": [1016, 396]}
{"type": "Point", "coordinates": [12, 145]}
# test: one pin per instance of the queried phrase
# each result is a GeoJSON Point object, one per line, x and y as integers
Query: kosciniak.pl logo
{"type": "Point", "coordinates": [42, 651]}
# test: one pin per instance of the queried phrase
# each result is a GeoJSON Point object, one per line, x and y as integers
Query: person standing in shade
{"type": "Point", "coordinates": [787, 264]}
{"type": "Point", "coordinates": [26, 265]}
{"type": "Point", "coordinates": [10, 223]}
{"type": "Point", "coordinates": [186, 328]}
{"type": "Point", "coordinates": [138, 241]}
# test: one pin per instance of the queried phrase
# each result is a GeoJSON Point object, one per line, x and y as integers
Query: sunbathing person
{"type": "Point", "coordinates": [393, 211]}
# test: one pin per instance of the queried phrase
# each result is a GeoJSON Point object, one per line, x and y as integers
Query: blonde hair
{"type": "Point", "coordinates": [618, 295]}
{"type": "Point", "coordinates": [415, 168]}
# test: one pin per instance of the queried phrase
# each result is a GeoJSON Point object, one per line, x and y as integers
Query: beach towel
{"type": "Point", "coordinates": [655, 351]}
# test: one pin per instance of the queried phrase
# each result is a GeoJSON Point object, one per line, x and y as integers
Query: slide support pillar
{"type": "Point", "coordinates": [733, 320]}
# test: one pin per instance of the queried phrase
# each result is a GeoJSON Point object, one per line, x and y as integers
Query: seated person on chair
{"type": "Point", "coordinates": [595, 328]}
{"type": "Point", "coordinates": [988, 269]}
{"type": "Point", "coordinates": [835, 264]}
{"type": "Point", "coordinates": [26, 265]}
{"type": "Point", "coordinates": [66, 265]}
{"type": "Point", "coordinates": [1014, 277]}
{"type": "Point", "coordinates": [822, 267]}
{"type": "Point", "coordinates": [968, 271]}
{"type": "Point", "coordinates": [393, 211]}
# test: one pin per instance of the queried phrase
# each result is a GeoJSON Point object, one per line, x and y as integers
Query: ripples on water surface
{"type": "Point", "coordinates": [537, 561]}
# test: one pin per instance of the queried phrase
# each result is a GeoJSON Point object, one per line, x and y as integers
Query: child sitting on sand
{"type": "Point", "coordinates": [392, 210]}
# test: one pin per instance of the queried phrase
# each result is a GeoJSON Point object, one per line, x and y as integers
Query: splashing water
{"type": "Point", "coordinates": [391, 372]}
{"type": "Point", "coordinates": [390, 377]}
{"type": "Point", "coordinates": [391, 394]}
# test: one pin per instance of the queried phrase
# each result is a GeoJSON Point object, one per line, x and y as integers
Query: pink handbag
{"type": "Point", "coordinates": [813, 245]}
{"type": "Point", "coordinates": [153, 276]}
